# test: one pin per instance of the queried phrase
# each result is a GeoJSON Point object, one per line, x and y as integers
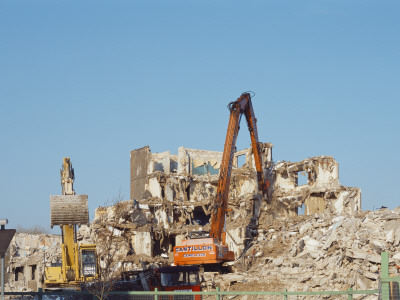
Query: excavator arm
{"type": "Point", "coordinates": [237, 108]}
{"type": "Point", "coordinates": [213, 249]}
{"type": "Point", "coordinates": [79, 262]}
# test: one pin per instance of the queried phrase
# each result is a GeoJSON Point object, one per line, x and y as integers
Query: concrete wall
{"type": "Point", "coordinates": [142, 243]}
{"type": "Point", "coordinates": [321, 192]}
{"type": "Point", "coordinates": [139, 170]}
{"type": "Point", "coordinates": [235, 240]}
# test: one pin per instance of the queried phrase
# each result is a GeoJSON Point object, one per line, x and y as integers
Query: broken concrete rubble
{"type": "Point", "coordinates": [342, 249]}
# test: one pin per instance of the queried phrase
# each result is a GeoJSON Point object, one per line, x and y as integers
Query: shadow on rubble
{"type": "Point", "coordinates": [151, 297]}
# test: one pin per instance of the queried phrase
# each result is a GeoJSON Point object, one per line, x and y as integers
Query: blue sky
{"type": "Point", "coordinates": [92, 80]}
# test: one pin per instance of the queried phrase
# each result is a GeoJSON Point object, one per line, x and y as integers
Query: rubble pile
{"type": "Point", "coordinates": [304, 253]}
{"type": "Point", "coordinates": [322, 252]}
{"type": "Point", "coordinates": [120, 230]}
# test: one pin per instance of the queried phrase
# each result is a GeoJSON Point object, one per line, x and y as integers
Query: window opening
{"type": "Point", "coordinates": [301, 178]}
{"type": "Point", "coordinates": [241, 159]}
{"type": "Point", "coordinates": [301, 210]}
{"type": "Point", "coordinates": [33, 272]}
{"type": "Point", "coordinates": [200, 217]}
{"type": "Point", "coordinates": [19, 273]}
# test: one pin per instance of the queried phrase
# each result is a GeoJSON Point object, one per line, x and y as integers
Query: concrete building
{"type": "Point", "coordinates": [29, 254]}
{"type": "Point", "coordinates": [177, 190]}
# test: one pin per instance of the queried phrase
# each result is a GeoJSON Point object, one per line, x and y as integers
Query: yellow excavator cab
{"type": "Point", "coordinates": [88, 263]}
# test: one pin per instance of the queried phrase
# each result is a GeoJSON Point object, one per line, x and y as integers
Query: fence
{"type": "Point", "coordinates": [388, 290]}
{"type": "Point", "coordinates": [388, 286]}
{"type": "Point", "coordinates": [217, 295]}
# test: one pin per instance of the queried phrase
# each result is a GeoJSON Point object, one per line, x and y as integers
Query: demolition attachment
{"type": "Point", "coordinates": [68, 208]}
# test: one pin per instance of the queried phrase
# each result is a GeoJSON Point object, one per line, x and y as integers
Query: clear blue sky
{"type": "Point", "coordinates": [93, 80]}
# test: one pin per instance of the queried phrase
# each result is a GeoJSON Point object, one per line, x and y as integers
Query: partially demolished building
{"type": "Point", "coordinates": [320, 192]}
{"type": "Point", "coordinates": [172, 194]}
{"type": "Point", "coordinates": [176, 192]}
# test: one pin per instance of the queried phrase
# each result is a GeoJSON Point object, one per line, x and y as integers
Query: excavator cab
{"type": "Point", "coordinates": [88, 261]}
{"type": "Point", "coordinates": [179, 278]}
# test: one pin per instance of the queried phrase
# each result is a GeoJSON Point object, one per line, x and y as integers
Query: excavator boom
{"type": "Point", "coordinates": [68, 208]}
{"type": "Point", "coordinates": [79, 262]}
{"type": "Point", "coordinates": [241, 106]}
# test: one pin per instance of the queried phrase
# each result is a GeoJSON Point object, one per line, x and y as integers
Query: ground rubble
{"type": "Point", "coordinates": [320, 252]}
{"type": "Point", "coordinates": [304, 253]}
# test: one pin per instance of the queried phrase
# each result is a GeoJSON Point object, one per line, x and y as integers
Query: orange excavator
{"type": "Point", "coordinates": [210, 248]}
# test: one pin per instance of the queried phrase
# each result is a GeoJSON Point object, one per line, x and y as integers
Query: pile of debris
{"type": "Point", "coordinates": [304, 253]}
{"type": "Point", "coordinates": [320, 252]}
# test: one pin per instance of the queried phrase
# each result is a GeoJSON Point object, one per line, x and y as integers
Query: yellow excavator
{"type": "Point", "coordinates": [78, 262]}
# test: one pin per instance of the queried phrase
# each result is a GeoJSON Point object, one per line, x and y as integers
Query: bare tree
{"type": "Point", "coordinates": [107, 239]}
{"type": "Point", "coordinates": [35, 229]}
